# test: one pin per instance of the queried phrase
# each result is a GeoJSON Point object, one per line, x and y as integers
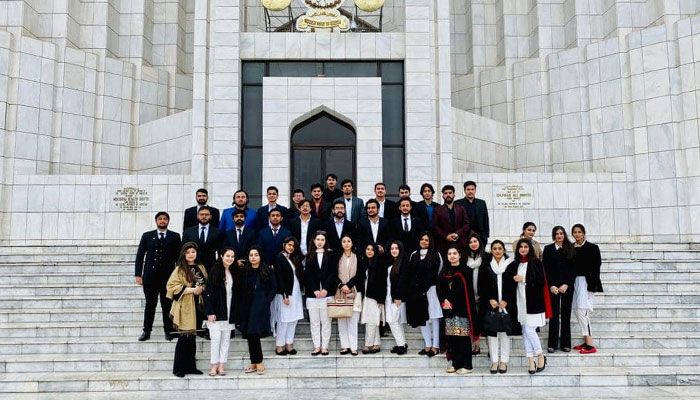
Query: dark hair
{"type": "Point", "coordinates": [301, 203]}
{"type": "Point", "coordinates": [298, 191]}
{"type": "Point", "coordinates": [405, 198]}
{"type": "Point", "coordinates": [372, 201]}
{"type": "Point", "coordinates": [275, 210]}
{"type": "Point", "coordinates": [159, 213]}
{"type": "Point", "coordinates": [352, 241]}
{"type": "Point", "coordinates": [207, 208]}
{"type": "Point", "coordinates": [314, 186]}
{"type": "Point", "coordinates": [311, 254]}
{"type": "Point", "coordinates": [296, 257]}
{"type": "Point", "coordinates": [404, 187]}
{"type": "Point", "coordinates": [346, 181]}
{"type": "Point", "coordinates": [217, 276]}
{"type": "Point", "coordinates": [450, 247]}
{"type": "Point", "coordinates": [499, 241]}
{"type": "Point", "coordinates": [580, 227]}
{"type": "Point", "coordinates": [431, 253]}
{"type": "Point", "coordinates": [469, 183]}
{"type": "Point", "coordinates": [369, 263]}
{"type": "Point", "coordinates": [531, 250]}
{"type": "Point", "coordinates": [378, 184]}
{"type": "Point", "coordinates": [396, 263]}
{"type": "Point", "coordinates": [182, 263]}
{"type": "Point", "coordinates": [529, 224]}
{"type": "Point", "coordinates": [480, 251]}
{"type": "Point", "coordinates": [427, 185]}
{"type": "Point", "coordinates": [334, 176]}
{"type": "Point", "coordinates": [265, 272]}
{"type": "Point", "coordinates": [272, 188]}
{"type": "Point", "coordinates": [566, 245]}
{"type": "Point", "coordinates": [338, 201]}
{"type": "Point", "coordinates": [202, 190]}
{"type": "Point", "coordinates": [238, 211]}
{"type": "Point", "coordinates": [247, 198]}
{"type": "Point", "coordinates": [447, 187]}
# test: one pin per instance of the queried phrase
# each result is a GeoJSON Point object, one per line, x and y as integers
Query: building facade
{"type": "Point", "coordinates": [562, 111]}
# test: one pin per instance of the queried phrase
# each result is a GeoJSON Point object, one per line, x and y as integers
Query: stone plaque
{"type": "Point", "coordinates": [514, 197]}
{"type": "Point", "coordinates": [129, 199]}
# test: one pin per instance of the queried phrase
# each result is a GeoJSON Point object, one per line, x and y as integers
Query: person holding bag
{"type": "Point", "coordinates": [495, 310]}
{"type": "Point", "coordinates": [185, 287]}
{"type": "Point", "coordinates": [475, 256]}
{"type": "Point", "coordinates": [396, 286]}
{"type": "Point", "coordinates": [374, 290]}
{"type": "Point", "coordinates": [319, 278]}
{"type": "Point", "coordinates": [457, 296]}
{"type": "Point", "coordinates": [218, 306]}
{"type": "Point", "coordinates": [348, 279]}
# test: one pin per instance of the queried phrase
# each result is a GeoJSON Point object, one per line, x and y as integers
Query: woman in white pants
{"type": "Point", "coordinates": [218, 302]}
{"type": "Point", "coordinates": [348, 278]}
{"type": "Point", "coordinates": [288, 270]}
{"type": "Point", "coordinates": [396, 285]}
{"type": "Point", "coordinates": [374, 295]}
{"type": "Point", "coordinates": [423, 307]}
{"type": "Point", "coordinates": [492, 291]}
{"type": "Point", "coordinates": [475, 256]}
{"type": "Point", "coordinates": [531, 297]}
{"type": "Point", "coordinates": [319, 279]}
{"type": "Point", "coordinates": [587, 262]}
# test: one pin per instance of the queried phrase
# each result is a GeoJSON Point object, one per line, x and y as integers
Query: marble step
{"type": "Point", "coordinates": [159, 382]}
{"type": "Point", "coordinates": [238, 360]}
{"type": "Point", "coordinates": [303, 343]}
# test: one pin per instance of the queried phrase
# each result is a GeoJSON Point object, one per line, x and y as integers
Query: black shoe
{"type": "Point", "coordinates": [430, 353]}
{"type": "Point", "coordinates": [179, 374]}
{"type": "Point", "coordinates": [354, 353]}
{"type": "Point", "coordinates": [423, 352]}
{"type": "Point", "coordinates": [344, 352]}
{"type": "Point", "coordinates": [281, 353]}
{"type": "Point", "coordinates": [566, 349]}
{"type": "Point", "coordinates": [551, 350]}
{"type": "Point", "coordinates": [169, 336]}
{"type": "Point", "coordinates": [393, 349]}
{"type": "Point", "coordinates": [291, 352]}
{"type": "Point", "coordinates": [366, 351]}
{"type": "Point", "coordinates": [504, 370]}
{"type": "Point", "coordinates": [144, 336]}
{"type": "Point", "coordinates": [401, 350]}
{"type": "Point", "coordinates": [196, 372]}
{"type": "Point", "coordinates": [315, 353]}
{"type": "Point", "coordinates": [543, 365]}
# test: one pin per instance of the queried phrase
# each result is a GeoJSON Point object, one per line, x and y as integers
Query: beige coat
{"type": "Point", "coordinates": [183, 311]}
{"type": "Point", "coordinates": [535, 245]}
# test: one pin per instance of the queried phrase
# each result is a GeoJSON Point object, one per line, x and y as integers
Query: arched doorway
{"type": "Point", "coordinates": [321, 145]}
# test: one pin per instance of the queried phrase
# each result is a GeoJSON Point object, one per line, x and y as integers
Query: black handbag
{"type": "Point", "coordinates": [497, 320]}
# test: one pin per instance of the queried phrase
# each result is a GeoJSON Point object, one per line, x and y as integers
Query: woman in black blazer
{"type": "Point", "coordinates": [374, 294]}
{"type": "Point", "coordinates": [394, 304]}
{"type": "Point", "coordinates": [319, 286]}
{"type": "Point", "coordinates": [530, 299]}
{"type": "Point", "coordinates": [558, 261]}
{"type": "Point", "coordinates": [288, 302]}
{"type": "Point", "coordinates": [587, 283]}
{"type": "Point", "coordinates": [218, 307]}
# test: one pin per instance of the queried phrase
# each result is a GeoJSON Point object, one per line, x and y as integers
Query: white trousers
{"type": "Point", "coordinates": [372, 336]}
{"type": "Point", "coordinates": [531, 341]}
{"type": "Point", "coordinates": [397, 331]}
{"type": "Point", "coordinates": [499, 344]}
{"type": "Point", "coordinates": [431, 333]}
{"type": "Point", "coordinates": [319, 323]}
{"type": "Point", "coordinates": [347, 330]}
{"type": "Point", "coordinates": [584, 320]}
{"type": "Point", "coordinates": [220, 341]}
{"type": "Point", "coordinates": [285, 333]}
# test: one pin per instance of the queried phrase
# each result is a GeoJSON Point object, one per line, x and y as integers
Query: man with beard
{"type": "Point", "coordinates": [450, 222]}
{"type": "Point", "coordinates": [320, 208]}
{"type": "Point", "coordinates": [304, 226]}
{"type": "Point", "coordinates": [338, 226]}
{"type": "Point", "coordinates": [354, 206]}
{"type": "Point", "coordinates": [331, 192]}
{"type": "Point", "coordinates": [477, 211]}
{"type": "Point", "coordinates": [240, 239]}
{"type": "Point", "coordinates": [427, 206]}
{"type": "Point", "coordinates": [155, 260]}
{"type": "Point", "coordinates": [387, 208]}
{"type": "Point", "coordinates": [190, 220]}
{"type": "Point", "coordinates": [206, 236]}
{"type": "Point", "coordinates": [407, 227]}
{"type": "Point", "coordinates": [240, 202]}
{"type": "Point", "coordinates": [270, 237]}
{"type": "Point", "coordinates": [373, 229]}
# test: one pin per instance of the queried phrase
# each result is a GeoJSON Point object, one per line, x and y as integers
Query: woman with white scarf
{"type": "Point", "coordinates": [492, 291]}
{"type": "Point", "coordinates": [475, 256]}
{"type": "Point", "coordinates": [348, 280]}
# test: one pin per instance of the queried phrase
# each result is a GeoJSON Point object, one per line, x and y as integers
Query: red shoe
{"type": "Point", "coordinates": [579, 347]}
{"type": "Point", "coordinates": [589, 350]}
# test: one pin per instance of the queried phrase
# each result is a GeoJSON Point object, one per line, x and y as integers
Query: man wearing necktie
{"type": "Point", "coordinates": [270, 238]}
{"type": "Point", "coordinates": [155, 260]}
{"type": "Point", "coordinates": [240, 239]}
{"type": "Point", "coordinates": [406, 227]}
{"type": "Point", "coordinates": [207, 237]}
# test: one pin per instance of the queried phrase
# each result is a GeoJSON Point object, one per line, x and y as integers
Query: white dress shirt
{"type": "Point", "coordinates": [375, 229]}
{"type": "Point", "coordinates": [304, 230]}
{"type": "Point", "coordinates": [348, 208]}
{"type": "Point", "coordinates": [206, 231]}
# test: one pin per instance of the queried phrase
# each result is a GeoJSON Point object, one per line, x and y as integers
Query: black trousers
{"type": "Point", "coordinates": [153, 291]}
{"type": "Point", "coordinates": [561, 307]}
{"type": "Point", "coordinates": [254, 348]}
{"type": "Point", "coordinates": [461, 351]}
{"type": "Point", "coordinates": [185, 361]}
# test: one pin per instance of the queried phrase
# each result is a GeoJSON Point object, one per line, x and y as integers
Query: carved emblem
{"type": "Point", "coordinates": [322, 15]}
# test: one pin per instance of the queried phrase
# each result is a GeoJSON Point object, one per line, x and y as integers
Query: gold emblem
{"type": "Point", "coordinates": [369, 5]}
{"type": "Point", "coordinates": [276, 5]}
{"type": "Point", "coordinates": [322, 15]}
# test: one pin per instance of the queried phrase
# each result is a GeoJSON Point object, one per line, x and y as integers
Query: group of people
{"type": "Point", "coordinates": [378, 263]}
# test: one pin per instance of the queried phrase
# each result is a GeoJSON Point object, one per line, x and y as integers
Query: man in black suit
{"type": "Point", "coordinates": [406, 227]}
{"type": "Point", "coordinates": [155, 260]}
{"type": "Point", "coordinates": [240, 239]}
{"type": "Point", "coordinates": [477, 211]}
{"type": "Point", "coordinates": [304, 226]}
{"type": "Point", "coordinates": [270, 237]}
{"type": "Point", "coordinates": [206, 236]}
{"type": "Point", "coordinates": [424, 209]}
{"type": "Point", "coordinates": [405, 191]}
{"type": "Point", "coordinates": [297, 196]}
{"type": "Point", "coordinates": [263, 212]}
{"type": "Point", "coordinates": [320, 208]}
{"type": "Point", "coordinates": [338, 226]}
{"type": "Point", "coordinates": [373, 229]}
{"type": "Point", "coordinates": [190, 220]}
{"type": "Point", "coordinates": [331, 192]}
{"type": "Point", "coordinates": [387, 208]}
{"type": "Point", "coordinates": [354, 206]}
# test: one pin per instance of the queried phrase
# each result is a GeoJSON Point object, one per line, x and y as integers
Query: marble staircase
{"type": "Point", "coordinates": [70, 317]}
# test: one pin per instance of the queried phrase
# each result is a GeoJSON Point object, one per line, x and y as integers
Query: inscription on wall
{"type": "Point", "coordinates": [514, 197]}
{"type": "Point", "coordinates": [129, 198]}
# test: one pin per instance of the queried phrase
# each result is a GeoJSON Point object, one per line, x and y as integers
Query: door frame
{"type": "Point", "coordinates": [353, 150]}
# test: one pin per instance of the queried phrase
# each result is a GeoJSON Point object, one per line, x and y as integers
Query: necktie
{"type": "Point", "coordinates": [238, 234]}
{"type": "Point", "coordinates": [274, 233]}
{"type": "Point", "coordinates": [201, 235]}
{"type": "Point", "coordinates": [162, 236]}
{"type": "Point", "coordinates": [405, 225]}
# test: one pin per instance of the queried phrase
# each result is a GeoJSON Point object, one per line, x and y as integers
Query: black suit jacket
{"type": "Point", "coordinates": [559, 269]}
{"type": "Point", "coordinates": [409, 239]}
{"type": "Point", "coordinates": [421, 211]}
{"type": "Point", "coordinates": [391, 210]}
{"type": "Point", "coordinates": [263, 218]}
{"type": "Point", "coordinates": [325, 212]}
{"type": "Point", "coordinates": [206, 255]}
{"type": "Point", "coordinates": [365, 237]}
{"type": "Point", "coordinates": [190, 219]}
{"type": "Point", "coordinates": [295, 228]}
{"type": "Point", "coordinates": [334, 239]}
{"type": "Point", "coordinates": [155, 263]}
{"type": "Point", "coordinates": [480, 223]}
{"type": "Point", "coordinates": [248, 239]}
{"type": "Point", "coordinates": [271, 244]}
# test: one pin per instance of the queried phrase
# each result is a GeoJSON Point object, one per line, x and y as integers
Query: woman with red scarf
{"type": "Point", "coordinates": [456, 294]}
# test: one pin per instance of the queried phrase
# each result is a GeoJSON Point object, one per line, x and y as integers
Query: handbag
{"type": "Point", "coordinates": [497, 320]}
{"type": "Point", "coordinates": [340, 307]}
{"type": "Point", "coordinates": [457, 326]}
{"type": "Point", "coordinates": [357, 303]}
